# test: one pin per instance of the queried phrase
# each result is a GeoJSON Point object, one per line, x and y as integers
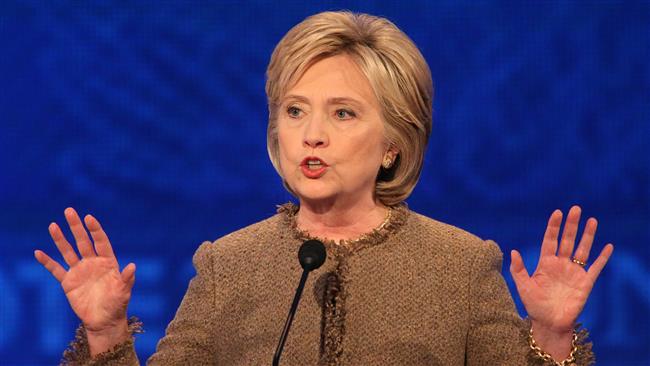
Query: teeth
{"type": "Point", "coordinates": [314, 164]}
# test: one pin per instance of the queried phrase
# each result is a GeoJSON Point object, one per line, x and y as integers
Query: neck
{"type": "Point", "coordinates": [338, 220]}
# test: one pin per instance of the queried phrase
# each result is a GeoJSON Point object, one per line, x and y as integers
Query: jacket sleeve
{"type": "Point", "coordinates": [189, 338]}
{"type": "Point", "coordinates": [123, 354]}
{"type": "Point", "coordinates": [497, 334]}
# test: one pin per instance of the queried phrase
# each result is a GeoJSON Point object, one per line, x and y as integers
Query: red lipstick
{"type": "Point", "coordinates": [313, 167]}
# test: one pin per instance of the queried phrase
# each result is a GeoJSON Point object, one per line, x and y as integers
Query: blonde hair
{"type": "Point", "coordinates": [396, 70]}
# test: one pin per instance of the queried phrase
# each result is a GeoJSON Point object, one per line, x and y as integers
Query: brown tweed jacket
{"type": "Point", "coordinates": [413, 292]}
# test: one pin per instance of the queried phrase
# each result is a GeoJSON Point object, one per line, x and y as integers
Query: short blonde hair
{"type": "Point", "coordinates": [396, 70]}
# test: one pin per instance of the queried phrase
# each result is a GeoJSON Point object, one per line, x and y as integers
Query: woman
{"type": "Point", "coordinates": [349, 118]}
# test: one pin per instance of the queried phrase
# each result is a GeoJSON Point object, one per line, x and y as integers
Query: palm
{"type": "Point", "coordinates": [558, 289]}
{"type": "Point", "coordinates": [97, 291]}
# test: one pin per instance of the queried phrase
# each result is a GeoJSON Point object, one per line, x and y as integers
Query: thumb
{"type": "Point", "coordinates": [128, 275]}
{"type": "Point", "coordinates": [518, 270]}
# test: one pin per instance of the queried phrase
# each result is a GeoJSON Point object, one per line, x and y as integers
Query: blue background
{"type": "Point", "coordinates": [152, 117]}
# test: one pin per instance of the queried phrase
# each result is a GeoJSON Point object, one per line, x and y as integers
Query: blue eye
{"type": "Point", "coordinates": [293, 112]}
{"type": "Point", "coordinates": [345, 114]}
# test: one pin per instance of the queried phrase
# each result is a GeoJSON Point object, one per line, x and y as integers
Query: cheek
{"type": "Point", "coordinates": [285, 156]}
{"type": "Point", "coordinates": [286, 138]}
{"type": "Point", "coordinates": [364, 157]}
{"type": "Point", "coordinates": [282, 145]}
{"type": "Point", "coordinates": [369, 148]}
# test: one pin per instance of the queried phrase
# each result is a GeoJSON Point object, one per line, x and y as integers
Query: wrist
{"type": "Point", "coordinates": [550, 332]}
{"type": "Point", "coordinates": [559, 343]}
{"type": "Point", "coordinates": [102, 340]}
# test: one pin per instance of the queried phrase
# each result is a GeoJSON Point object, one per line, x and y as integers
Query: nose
{"type": "Point", "coordinates": [315, 133]}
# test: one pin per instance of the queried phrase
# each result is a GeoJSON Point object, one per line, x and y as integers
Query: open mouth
{"type": "Point", "coordinates": [313, 163]}
{"type": "Point", "coordinates": [313, 167]}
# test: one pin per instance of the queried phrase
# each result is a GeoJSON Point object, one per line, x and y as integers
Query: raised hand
{"type": "Point", "coordinates": [557, 291]}
{"type": "Point", "coordinates": [96, 289]}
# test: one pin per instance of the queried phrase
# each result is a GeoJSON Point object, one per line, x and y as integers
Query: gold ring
{"type": "Point", "coordinates": [579, 262]}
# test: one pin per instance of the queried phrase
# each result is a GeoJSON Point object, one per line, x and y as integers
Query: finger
{"type": "Point", "coordinates": [128, 275]}
{"type": "Point", "coordinates": [79, 233]}
{"type": "Point", "coordinates": [599, 263]}
{"type": "Point", "coordinates": [102, 244]}
{"type": "Point", "coordinates": [62, 245]}
{"type": "Point", "coordinates": [518, 270]}
{"type": "Point", "coordinates": [549, 244]}
{"type": "Point", "coordinates": [128, 272]}
{"type": "Point", "coordinates": [582, 253]}
{"type": "Point", "coordinates": [131, 282]}
{"type": "Point", "coordinates": [50, 264]}
{"type": "Point", "coordinates": [569, 233]}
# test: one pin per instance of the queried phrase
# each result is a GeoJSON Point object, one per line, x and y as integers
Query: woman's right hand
{"type": "Point", "coordinates": [98, 293]}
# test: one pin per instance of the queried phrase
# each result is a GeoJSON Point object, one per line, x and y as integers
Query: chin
{"type": "Point", "coordinates": [313, 191]}
{"type": "Point", "coordinates": [313, 196]}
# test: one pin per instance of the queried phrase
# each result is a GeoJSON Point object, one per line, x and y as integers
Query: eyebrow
{"type": "Point", "coordinates": [333, 100]}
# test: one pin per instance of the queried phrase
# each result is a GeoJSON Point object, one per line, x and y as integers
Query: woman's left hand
{"type": "Point", "coordinates": [557, 291]}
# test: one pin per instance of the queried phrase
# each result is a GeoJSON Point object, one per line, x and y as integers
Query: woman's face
{"type": "Point", "coordinates": [330, 133]}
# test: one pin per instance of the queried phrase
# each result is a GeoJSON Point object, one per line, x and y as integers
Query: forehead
{"type": "Point", "coordinates": [334, 77]}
